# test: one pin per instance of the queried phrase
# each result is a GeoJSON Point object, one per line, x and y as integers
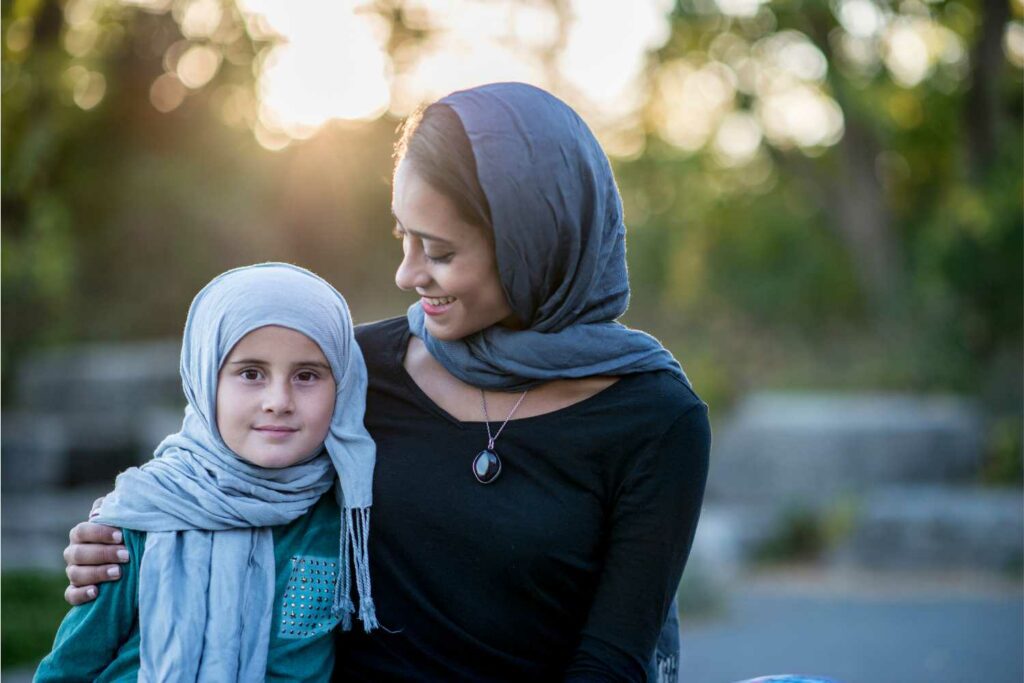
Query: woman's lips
{"type": "Point", "coordinates": [434, 309]}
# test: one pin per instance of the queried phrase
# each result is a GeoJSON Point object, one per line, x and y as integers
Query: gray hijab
{"type": "Point", "coordinates": [560, 244]}
{"type": "Point", "coordinates": [206, 583]}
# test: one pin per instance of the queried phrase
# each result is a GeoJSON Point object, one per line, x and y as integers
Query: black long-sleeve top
{"type": "Point", "coordinates": [562, 569]}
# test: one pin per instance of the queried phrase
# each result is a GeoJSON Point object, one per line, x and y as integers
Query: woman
{"type": "Point", "coordinates": [540, 467]}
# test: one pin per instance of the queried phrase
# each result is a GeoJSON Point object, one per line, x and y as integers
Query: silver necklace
{"type": "Point", "coordinates": [487, 464]}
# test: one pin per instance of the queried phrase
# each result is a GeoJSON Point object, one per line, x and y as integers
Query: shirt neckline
{"type": "Point", "coordinates": [408, 380]}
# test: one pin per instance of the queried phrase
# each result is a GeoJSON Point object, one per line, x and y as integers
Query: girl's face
{"type": "Point", "coordinates": [275, 397]}
{"type": "Point", "coordinates": [450, 263]}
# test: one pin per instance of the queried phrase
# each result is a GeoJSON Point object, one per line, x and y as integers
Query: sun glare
{"type": "Point", "coordinates": [329, 62]}
{"type": "Point", "coordinates": [749, 88]}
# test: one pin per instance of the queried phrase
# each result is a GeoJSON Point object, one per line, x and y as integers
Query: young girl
{"type": "Point", "coordinates": [236, 571]}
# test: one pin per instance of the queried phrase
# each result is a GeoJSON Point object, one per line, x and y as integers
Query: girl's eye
{"type": "Point", "coordinates": [250, 374]}
{"type": "Point", "coordinates": [439, 259]}
{"type": "Point", "coordinates": [307, 376]}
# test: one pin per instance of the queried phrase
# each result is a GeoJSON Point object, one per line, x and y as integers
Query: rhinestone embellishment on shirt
{"type": "Point", "coordinates": [308, 598]}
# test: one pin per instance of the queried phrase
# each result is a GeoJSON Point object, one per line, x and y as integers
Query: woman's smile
{"type": "Point", "coordinates": [437, 305]}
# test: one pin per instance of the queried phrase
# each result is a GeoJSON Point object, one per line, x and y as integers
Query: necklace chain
{"type": "Point", "coordinates": [487, 419]}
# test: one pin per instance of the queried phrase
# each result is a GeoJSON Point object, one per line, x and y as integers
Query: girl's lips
{"type": "Point", "coordinates": [431, 309]}
{"type": "Point", "coordinates": [274, 432]}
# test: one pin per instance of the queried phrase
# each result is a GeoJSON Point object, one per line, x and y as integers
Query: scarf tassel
{"type": "Point", "coordinates": [355, 536]}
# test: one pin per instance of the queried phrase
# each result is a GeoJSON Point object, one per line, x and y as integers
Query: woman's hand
{"type": "Point", "coordinates": [93, 556]}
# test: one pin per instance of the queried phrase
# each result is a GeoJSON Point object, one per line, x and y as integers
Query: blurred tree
{"type": "Point", "coordinates": [900, 79]}
{"type": "Point", "coordinates": [792, 170]}
{"type": "Point", "coordinates": [921, 184]}
{"type": "Point", "coordinates": [116, 212]}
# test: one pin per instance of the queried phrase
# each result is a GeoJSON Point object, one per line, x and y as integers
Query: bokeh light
{"type": "Point", "coordinates": [739, 8]}
{"type": "Point", "coordinates": [197, 66]}
{"type": "Point", "coordinates": [606, 50]}
{"type": "Point", "coordinates": [738, 139]}
{"type": "Point", "coordinates": [87, 87]}
{"type": "Point", "coordinates": [199, 18]}
{"type": "Point", "coordinates": [325, 60]}
{"type": "Point", "coordinates": [19, 34]}
{"type": "Point", "coordinates": [167, 93]}
{"type": "Point", "coordinates": [782, 74]}
{"type": "Point", "coordinates": [1013, 43]}
{"type": "Point", "coordinates": [330, 62]}
{"type": "Point", "coordinates": [691, 100]}
{"type": "Point", "coordinates": [860, 18]}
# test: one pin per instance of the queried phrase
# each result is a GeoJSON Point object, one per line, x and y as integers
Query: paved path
{"type": "Point", "coordinates": [872, 630]}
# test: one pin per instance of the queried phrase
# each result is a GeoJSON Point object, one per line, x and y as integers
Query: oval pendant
{"type": "Point", "coordinates": [486, 466]}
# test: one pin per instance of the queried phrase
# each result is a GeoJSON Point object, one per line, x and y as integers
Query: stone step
{"type": "Point", "coordinates": [35, 524]}
{"type": "Point", "coordinates": [924, 527]}
{"type": "Point", "coordinates": [786, 450]}
{"type": "Point", "coordinates": [45, 450]}
{"type": "Point", "coordinates": [100, 376]}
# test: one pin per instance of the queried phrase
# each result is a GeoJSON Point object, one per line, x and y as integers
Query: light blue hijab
{"type": "Point", "coordinates": [206, 584]}
{"type": "Point", "coordinates": [560, 243]}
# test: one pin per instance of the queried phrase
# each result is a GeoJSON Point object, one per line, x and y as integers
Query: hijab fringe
{"type": "Point", "coordinates": [355, 536]}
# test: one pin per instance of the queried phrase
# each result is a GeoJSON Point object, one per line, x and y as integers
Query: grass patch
{"type": "Point", "coordinates": [33, 607]}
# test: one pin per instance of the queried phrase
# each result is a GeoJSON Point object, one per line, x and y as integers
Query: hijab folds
{"type": "Point", "coordinates": [560, 245]}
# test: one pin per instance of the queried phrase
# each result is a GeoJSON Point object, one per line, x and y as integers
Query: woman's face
{"type": "Point", "coordinates": [450, 263]}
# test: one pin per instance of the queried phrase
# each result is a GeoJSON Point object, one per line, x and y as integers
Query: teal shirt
{"type": "Point", "coordinates": [99, 641]}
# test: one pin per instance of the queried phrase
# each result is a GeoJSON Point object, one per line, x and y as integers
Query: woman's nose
{"type": "Point", "coordinates": [411, 273]}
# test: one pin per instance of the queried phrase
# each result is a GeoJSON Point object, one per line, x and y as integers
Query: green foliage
{"type": "Point", "coordinates": [33, 609]}
{"type": "Point", "coordinates": [800, 538]}
{"type": "Point", "coordinates": [106, 203]}
{"type": "Point", "coordinates": [754, 273]}
{"type": "Point", "coordinates": [804, 535]}
{"type": "Point", "coordinates": [776, 256]}
{"type": "Point", "coordinates": [1004, 461]}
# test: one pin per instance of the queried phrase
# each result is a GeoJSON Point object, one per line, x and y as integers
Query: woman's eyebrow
{"type": "Point", "coordinates": [420, 234]}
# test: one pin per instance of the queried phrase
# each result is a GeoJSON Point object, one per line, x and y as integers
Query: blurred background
{"type": "Point", "coordinates": [824, 201]}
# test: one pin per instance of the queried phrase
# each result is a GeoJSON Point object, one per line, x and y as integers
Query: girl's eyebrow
{"type": "Point", "coordinates": [301, 363]}
{"type": "Point", "coordinates": [421, 235]}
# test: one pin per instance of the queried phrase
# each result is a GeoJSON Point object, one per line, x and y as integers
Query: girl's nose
{"type": "Point", "coordinates": [411, 273]}
{"type": "Point", "coordinates": [278, 398]}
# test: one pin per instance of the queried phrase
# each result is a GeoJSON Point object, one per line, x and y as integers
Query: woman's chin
{"type": "Point", "coordinates": [449, 327]}
{"type": "Point", "coordinates": [441, 332]}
